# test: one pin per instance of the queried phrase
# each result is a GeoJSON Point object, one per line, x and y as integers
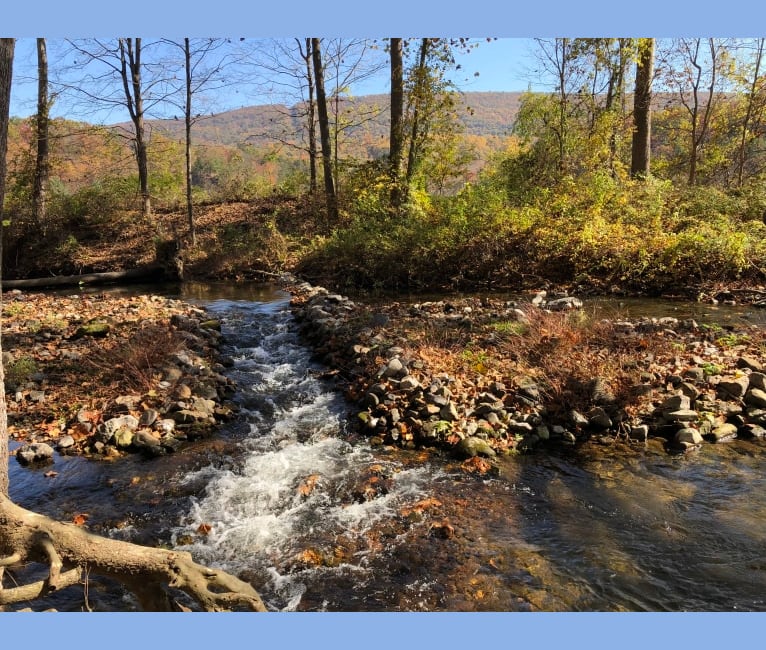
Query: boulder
{"type": "Point", "coordinates": [36, 453]}
{"type": "Point", "coordinates": [474, 446]}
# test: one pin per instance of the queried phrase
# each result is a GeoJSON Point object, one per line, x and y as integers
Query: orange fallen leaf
{"type": "Point", "coordinates": [204, 529]}
{"type": "Point", "coordinates": [308, 485]}
{"type": "Point", "coordinates": [80, 518]}
{"type": "Point", "coordinates": [51, 474]}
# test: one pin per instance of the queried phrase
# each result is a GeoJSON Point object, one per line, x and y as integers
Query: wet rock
{"type": "Point", "coordinates": [147, 444]}
{"type": "Point", "coordinates": [752, 431]}
{"type": "Point", "coordinates": [682, 415]}
{"type": "Point", "coordinates": [123, 438]}
{"type": "Point", "coordinates": [110, 427]}
{"type": "Point", "coordinates": [65, 442]}
{"type": "Point", "coordinates": [37, 453]}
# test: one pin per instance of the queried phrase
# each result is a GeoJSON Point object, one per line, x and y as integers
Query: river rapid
{"type": "Point", "coordinates": [318, 520]}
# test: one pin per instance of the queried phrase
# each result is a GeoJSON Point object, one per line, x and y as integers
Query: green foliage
{"type": "Point", "coordinates": [18, 372]}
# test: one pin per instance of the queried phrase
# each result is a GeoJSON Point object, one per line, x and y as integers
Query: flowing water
{"type": "Point", "coordinates": [287, 498]}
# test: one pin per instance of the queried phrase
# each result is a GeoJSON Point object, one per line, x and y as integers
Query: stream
{"type": "Point", "coordinates": [318, 520]}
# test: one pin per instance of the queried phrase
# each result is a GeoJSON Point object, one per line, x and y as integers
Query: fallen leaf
{"type": "Point", "coordinates": [308, 485]}
{"type": "Point", "coordinates": [51, 474]}
{"type": "Point", "coordinates": [80, 519]}
{"type": "Point", "coordinates": [204, 529]}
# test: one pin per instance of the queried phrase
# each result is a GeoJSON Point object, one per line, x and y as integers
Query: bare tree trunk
{"type": "Point", "coordinates": [42, 167]}
{"type": "Point", "coordinates": [130, 58]}
{"type": "Point", "coordinates": [311, 119]}
{"type": "Point", "coordinates": [642, 111]}
{"type": "Point", "coordinates": [396, 134]}
{"type": "Point", "coordinates": [420, 83]}
{"type": "Point", "coordinates": [324, 131]}
{"type": "Point", "coordinates": [749, 113]}
{"type": "Point", "coordinates": [7, 46]}
{"type": "Point", "coordinates": [188, 125]}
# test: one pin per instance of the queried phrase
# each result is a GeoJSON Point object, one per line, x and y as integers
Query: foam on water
{"type": "Point", "coordinates": [256, 515]}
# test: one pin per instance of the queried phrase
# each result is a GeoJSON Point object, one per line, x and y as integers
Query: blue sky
{"type": "Point", "coordinates": [502, 65]}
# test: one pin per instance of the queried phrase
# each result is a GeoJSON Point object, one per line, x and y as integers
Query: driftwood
{"type": "Point", "coordinates": [152, 273]}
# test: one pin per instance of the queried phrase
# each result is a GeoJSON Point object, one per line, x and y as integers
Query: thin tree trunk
{"type": "Point", "coordinates": [130, 57]}
{"type": "Point", "coordinates": [324, 131]}
{"type": "Point", "coordinates": [7, 46]}
{"type": "Point", "coordinates": [188, 125]}
{"type": "Point", "coordinates": [42, 167]}
{"type": "Point", "coordinates": [311, 118]}
{"type": "Point", "coordinates": [396, 135]}
{"type": "Point", "coordinates": [749, 113]}
{"type": "Point", "coordinates": [640, 165]}
{"type": "Point", "coordinates": [420, 83]}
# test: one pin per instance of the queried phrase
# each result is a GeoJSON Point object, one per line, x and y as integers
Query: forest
{"type": "Point", "coordinates": [640, 172]}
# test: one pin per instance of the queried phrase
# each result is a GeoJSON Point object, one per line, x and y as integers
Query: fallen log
{"type": "Point", "coordinates": [150, 273]}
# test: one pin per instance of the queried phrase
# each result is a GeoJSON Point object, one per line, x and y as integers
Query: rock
{"type": "Point", "coordinates": [148, 418]}
{"type": "Point", "coordinates": [758, 380]}
{"type": "Point", "coordinates": [640, 432]}
{"type": "Point", "coordinates": [694, 374]}
{"type": "Point", "coordinates": [600, 391]}
{"type": "Point", "coordinates": [543, 433]}
{"type": "Point", "coordinates": [449, 412]}
{"type": "Point", "coordinates": [64, 442]}
{"type": "Point", "coordinates": [409, 384]}
{"type": "Point", "coordinates": [165, 426]}
{"type": "Point", "coordinates": [473, 446]}
{"type": "Point", "coordinates": [598, 418]}
{"type": "Point", "coordinates": [577, 419]}
{"type": "Point", "coordinates": [675, 403]}
{"type": "Point", "coordinates": [689, 390]}
{"type": "Point", "coordinates": [750, 362]}
{"type": "Point", "coordinates": [37, 453]}
{"type": "Point", "coordinates": [753, 431]}
{"type": "Point", "coordinates": [682, 415]}
{"type": "Point", "coordinates": [562, 304]}
{"type": "Point", "coordinates": [148, 444]}
{"type": "Point", "coordinates": [688, 436]}
{"type": "Point", "coordinates": [723, 432]}
{"type": "Point", "coordinates": [111, 426]}
{"type": "Point", "coordinates": [733, 387]}
{"type": "Point", "coordinates": [756, 397]}
{"type": "Point", "coordinates": [524, 428]}
{"type": "Point", "coordinates": [183, 391]}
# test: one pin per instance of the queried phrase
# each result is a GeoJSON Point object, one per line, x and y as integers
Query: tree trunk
{"type": "Point", "coordinates": [42, 168]}
{"type": "Point", "coordinates": [324, 131]}
{"type": "Point", "coordinates": [311, 119]}
{"type": "Point", "coordinates": [640, 165]}
{"type": "Point", "coordinates": [130, 58]}
{"type": "Point", "coordinates": [418, 99]}
{"type": "Point", "coordinates": [396, 134]}
{"type": "Point", "coordinates": [7, 46]}
{"type": "Point", "coordinates": [751, 98]}
{"type": "Point", "coordinates": [188, 125]}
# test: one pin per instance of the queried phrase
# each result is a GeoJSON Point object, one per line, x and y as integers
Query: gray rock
{"type": "Point", "coordinates": [543, 433]}
{"type": "Point", "coordinates": [682, 415]}
{"type": "Point", "coordinates": [750, 362]}
{"type": "Point", "coordinates": [689, 390]}
{"type": "Point", "coordinates": [65, 442]}
{"type": "Point", "coordinates": [577, 419]}
{"type": "Point", "coordinates": [36, 453]}
{"type": "Point", "coordinates": [598, 418]}
{"type": "Point", "coordinates": [756, 397]}
{"type": "Point", "coordinates": [409, 384]}
{"type": "Point", "coordinates": [688, 436]}
{"type": "Point", "coordinates": [675, 403]}
{"type": "Point", "coordinates": [148, 418]}
{"type": "Point", "coordinates": [733, 387]}
{"type": "Point", "coordinates": [110, 427]}
{"type": "Point", "coordinates": [758, 380]}
{"type": "Point", "coordinates": [449, 412]}
{"type": "Point", "coordinates": [562, 304]}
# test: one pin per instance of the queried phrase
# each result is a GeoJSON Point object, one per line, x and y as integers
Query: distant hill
{"type": "Point", "coordinates": [487, 114]}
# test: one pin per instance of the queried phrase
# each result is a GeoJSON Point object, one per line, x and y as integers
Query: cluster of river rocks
{"type": "Point", "coordinates": [188, 401]}
{"type": "Point", "coordinates": [402, 401]}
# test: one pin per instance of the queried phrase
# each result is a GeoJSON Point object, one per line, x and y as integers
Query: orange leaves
{"type": "Point", "coordinates": [421, 506]}
{"type": "Point", "coordinates": [204, 529]}
{"type": "Point", "coordinates": [308, 484]}
{"type": "Point", "coordinates": [476, 465]}
{"type": "Point", "coordinates": [80, 518]}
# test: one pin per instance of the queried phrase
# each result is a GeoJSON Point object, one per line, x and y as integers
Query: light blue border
{"type": "Point", "coordinates": [508, 18]}
{"type": "Point", "coordinates": [252, 18]}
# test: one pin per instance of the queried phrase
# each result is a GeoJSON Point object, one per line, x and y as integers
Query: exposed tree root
{"type": "Point", "coordinates": [28, 536]}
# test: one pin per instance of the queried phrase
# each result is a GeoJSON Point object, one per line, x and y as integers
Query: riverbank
{"type": "Point", "coordinates": [104, 375]}
{"type": "Point", "coordinates": [484, 376]}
